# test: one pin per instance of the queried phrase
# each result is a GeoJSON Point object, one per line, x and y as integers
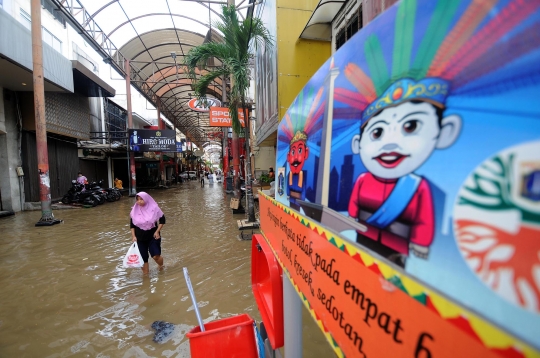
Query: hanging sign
{"type": "Point", "coordinates": [214, 135]}
{"type": "Point", "coordinates": [220, 117]}
{"type": "Point", "coordinates": [149, 140]}
{"type": "Point", "coordinates": [203, 106]}
{"type": "Point", "coordinates": [179, 147]}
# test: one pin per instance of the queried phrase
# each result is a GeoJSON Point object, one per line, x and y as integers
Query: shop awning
{"type": "Point", "coordinates": [88, 84]}
{"type": "Point", "coordinates": [319, 26]}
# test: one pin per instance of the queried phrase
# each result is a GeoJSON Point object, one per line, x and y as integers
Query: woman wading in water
{"type": "Point", "coordinates": [147, 220]}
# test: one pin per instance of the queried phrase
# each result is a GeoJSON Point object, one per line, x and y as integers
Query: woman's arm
{"type": "Point", "coordinates": [132, 227]}
{"type": "Point", "coordinates": [157, 235]}
{"type": "Point", "coordinates": [161, 222]}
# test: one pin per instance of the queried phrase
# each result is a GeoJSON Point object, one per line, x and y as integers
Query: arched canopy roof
{"type": "Point", "coordinates": [154, 36]}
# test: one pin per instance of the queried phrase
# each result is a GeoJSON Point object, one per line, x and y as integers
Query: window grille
{"type": "Point", "coordinates": [350, 28]}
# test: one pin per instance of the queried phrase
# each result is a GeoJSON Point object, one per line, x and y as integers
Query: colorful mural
{"type": "Point", "coordinates": [419, 140]}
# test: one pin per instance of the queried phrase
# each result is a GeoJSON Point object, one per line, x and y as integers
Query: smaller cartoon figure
{"type": "Point", "coordinates": [134, 141]}
{"type": "Point", "coordinates": [281, 181]}
{"type": "Point", "coordinates": [296, 157]}
{"type": "Point", "coordinates": [398, 133]}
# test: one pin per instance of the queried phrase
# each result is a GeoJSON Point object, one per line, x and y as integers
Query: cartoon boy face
{"type": "Point", "coordinates": [399, 139]}
{"type": "Point", "coordinates": [298, 153]}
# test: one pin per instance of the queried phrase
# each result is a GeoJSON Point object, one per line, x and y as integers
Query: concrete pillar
{"type": "Point", "coordinates": [292, 320]}
{"type": "Point", "coordinates": [10, 159]}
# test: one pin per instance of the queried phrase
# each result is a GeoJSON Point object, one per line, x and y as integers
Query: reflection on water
{"type": "Point", "coordinates": [65, 292]}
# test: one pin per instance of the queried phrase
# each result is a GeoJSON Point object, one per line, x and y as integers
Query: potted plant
{"type": "Point", "coordinates": [265, 181]}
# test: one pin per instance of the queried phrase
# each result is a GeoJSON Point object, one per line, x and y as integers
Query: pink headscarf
{"type": "Point", "coordinates": [145, 217]}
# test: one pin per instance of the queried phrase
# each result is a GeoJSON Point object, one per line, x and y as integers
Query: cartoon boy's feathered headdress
{"type": "Point", "coordinates": [445, 61]}
{"type": "Point", "coordinates": [305, 122]}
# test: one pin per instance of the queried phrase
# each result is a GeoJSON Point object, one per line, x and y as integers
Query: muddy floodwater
{"type": "Point", "coordinates": [65, 293]}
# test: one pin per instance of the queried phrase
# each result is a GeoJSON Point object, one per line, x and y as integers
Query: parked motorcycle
{"type": "Point", "coordinates": [109, 194]}
{"type": "Point", "coordinates": [76, 194]}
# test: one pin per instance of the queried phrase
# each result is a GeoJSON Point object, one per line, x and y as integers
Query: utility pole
{"type": "Point", "coordinates": [161, 125]}
{"type": "Point", "coordinates": [249, 190]}
{"type": "Point", "coordinates": [235, 148]}
{"type": "Point", "coordinates": [236, 163]}
{"type": "Point", "coordinates": [47, 217]}
{"type": "Point", "coordinates": [132, 174]}
{"type": "Point", "coordinates": [225, 139]}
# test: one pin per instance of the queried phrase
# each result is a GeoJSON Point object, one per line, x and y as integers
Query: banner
{"type": "Point", "coordinates": [179, 147]}
{"type": "Point", "coordinates": [149, 140]}
{"type": "Point", "coordinates": [367, 308]}
{"type": "Point", "coordinates": [220, 117]}
{"type": "Point", "coordinates": [419, 141]}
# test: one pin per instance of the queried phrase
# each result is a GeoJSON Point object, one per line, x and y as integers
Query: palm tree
{"type": "Point", "coordinates": [234, 54]}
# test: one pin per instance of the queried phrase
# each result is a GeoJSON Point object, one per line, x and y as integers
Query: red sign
{"type": "Point", "coordinates": [220, 117]}
{"type": "Point", "coordinates": [200, 106]}
{"type": "Point", "coordinates": [365, 307]}
{"type": "Point", "coordinates": [214, 135]}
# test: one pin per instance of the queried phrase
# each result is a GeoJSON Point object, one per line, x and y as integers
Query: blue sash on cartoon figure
{"type": "Point", "coordinates": [396, 202]}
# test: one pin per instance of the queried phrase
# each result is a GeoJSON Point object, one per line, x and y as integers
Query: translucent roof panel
{"type": "Point", "coordinates": [147, 33]}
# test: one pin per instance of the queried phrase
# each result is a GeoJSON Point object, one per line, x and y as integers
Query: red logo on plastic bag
{"type": "Point", "coordinates": [133, 259]}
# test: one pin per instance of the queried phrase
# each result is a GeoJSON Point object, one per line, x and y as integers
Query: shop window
{"type": "Point", "coordinates": [51, 40]}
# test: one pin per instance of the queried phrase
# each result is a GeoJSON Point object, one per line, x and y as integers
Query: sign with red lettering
{"type": "Point", "coordinates": [220, 117]}
{"type": "Point", "coordinates": [203, 106]}
{"type": "Point", "coordinates": [214, 135]}
{"type": "Point", "coordinates": [367, 308]}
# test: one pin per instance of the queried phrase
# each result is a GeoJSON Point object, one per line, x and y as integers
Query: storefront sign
{"type": "Point", "coordinates": [368, 308]}
{"type": "Point", "coordinates": [149, 140]}
{"type": "Point", "coordinates": [220, 117]}
{"type": "Point", "coordinates": [214, 135]}
{"type": "Point", "coordinates": [179, 147]}
{"type": "Point", "coordinates": [202, 106]}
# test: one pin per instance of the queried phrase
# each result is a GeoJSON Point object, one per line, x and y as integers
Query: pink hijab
{"type": "Point", "coordinates": [145, 217]}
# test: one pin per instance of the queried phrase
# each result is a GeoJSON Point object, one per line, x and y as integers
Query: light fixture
{"type": "Point", "coordinates": [24, 84]}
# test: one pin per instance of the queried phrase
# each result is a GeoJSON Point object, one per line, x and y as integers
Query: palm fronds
{"type": "Point", "coordinates": [234, 54]}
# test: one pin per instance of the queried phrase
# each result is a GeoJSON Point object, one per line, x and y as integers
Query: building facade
{"type": "Point", "coordinates": [73, 102]}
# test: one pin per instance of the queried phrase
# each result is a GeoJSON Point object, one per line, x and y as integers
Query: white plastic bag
{"type": "Point", "coordinates": [133, 257]}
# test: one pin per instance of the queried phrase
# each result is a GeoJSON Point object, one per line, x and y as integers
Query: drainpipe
{"type": "Point", "coordinates": [132, 173]}
{"type": "Point", "coordinates": [47, 217]}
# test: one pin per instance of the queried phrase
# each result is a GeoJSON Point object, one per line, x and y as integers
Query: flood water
{"type": "Point", "coordinates": [65, 293]}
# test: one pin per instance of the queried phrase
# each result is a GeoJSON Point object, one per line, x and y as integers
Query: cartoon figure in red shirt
{"type": "Point", "coordinates": [297, 179]}
{"type": "Point", "coordinates": [399, 132]}
{"type": "Point", "coordinates": [311, 108]}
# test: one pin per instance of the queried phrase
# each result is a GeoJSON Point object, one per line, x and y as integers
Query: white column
{"type": "Point", "coordinates": [292, 320]}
